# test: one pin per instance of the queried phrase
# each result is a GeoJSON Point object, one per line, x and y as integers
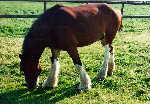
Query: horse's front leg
{"type": "Point", "coordinates": [52, 79]}
{"type": "Point", "coordinates": [85, 81]}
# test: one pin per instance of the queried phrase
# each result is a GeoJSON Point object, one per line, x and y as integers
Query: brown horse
{"type": "Point", "coordinates": [66, 28]}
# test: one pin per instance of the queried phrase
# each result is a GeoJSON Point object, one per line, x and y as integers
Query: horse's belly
{"type": "Point", "coordinates": [88, 33]}
{"type": "Point", "coordinates": [85, 43]}
{"type": "Point", "coordinates": [87, 39]}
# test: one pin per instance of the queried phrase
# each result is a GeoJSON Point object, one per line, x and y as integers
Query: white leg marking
{"type": "Point", "coordinates": [111, 58]}
{"type": "Point", "coordinates": [103, 72]}
{"type": "Point", "coordinates": [52, 79]}
{"type": "Point", "coordinates": [111, 64]}
{"type": "Point", "coordinates": [85, 81]}
{"type": "Point", "coordinates": [37, 82]}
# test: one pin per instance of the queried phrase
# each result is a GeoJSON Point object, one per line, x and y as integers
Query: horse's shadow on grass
{"type": "Point", "coordinates": [39, 95]}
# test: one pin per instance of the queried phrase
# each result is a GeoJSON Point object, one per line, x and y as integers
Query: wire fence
{"type": "Point", "coordinates": [123, 3]}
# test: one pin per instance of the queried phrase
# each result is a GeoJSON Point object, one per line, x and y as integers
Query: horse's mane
{"type": "Point", "coordinates": [45, 18]}
{"type": "Point", "coordinates": [37, 27]}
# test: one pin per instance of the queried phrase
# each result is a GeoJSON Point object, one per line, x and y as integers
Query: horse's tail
{"type": "Point", "coordinates": [121, 26]}
{"type": "Point", "coordinates": [118, 12]}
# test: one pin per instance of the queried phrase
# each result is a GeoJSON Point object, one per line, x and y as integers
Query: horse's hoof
{"type": "Point", "coordinates": [110, 73]}
{"type": "Point", "coordinates": [48, 86]}
{"type": "Point", "coordinates": [100, 77]}
{"type": "Point", "coordinates": [83, 87]}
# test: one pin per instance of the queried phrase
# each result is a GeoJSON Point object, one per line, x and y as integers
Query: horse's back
{"type": "Point", "coordinates": [64, 27]}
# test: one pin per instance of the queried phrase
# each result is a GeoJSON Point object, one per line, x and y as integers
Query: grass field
{"type": "Point", "coordinates": [130, 83]}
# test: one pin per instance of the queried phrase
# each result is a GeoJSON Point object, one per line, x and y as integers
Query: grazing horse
{"type": "Point", "coordinates": [66, 28]}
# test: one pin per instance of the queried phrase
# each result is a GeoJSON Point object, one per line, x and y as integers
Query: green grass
{"type": "Point", "coordinates": [130, 83]}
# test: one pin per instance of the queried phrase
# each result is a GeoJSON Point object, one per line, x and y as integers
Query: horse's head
{"type": "Point", "coordinates": [31, 69]}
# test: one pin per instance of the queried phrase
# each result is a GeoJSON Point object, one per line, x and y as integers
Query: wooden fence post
{"type": "Point", "coordinates": [45, 4]}
{"type": "Point", "coordinates": [122, 8]}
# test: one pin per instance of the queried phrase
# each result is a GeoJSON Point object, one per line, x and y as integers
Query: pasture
{"type": "Point", "coordinates": [130, 83]}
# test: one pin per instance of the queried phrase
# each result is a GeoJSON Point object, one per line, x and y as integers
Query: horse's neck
{"type": "Point", "coordinates": [32, 48]}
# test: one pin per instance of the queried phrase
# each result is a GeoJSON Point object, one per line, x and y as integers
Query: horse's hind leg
{"type": "Point", "coordinates": [103, 72]}
{"type": "Point", "coordinates": [111, 63]}
{"type": "Point", "coordinates": [52, 79]}
{"type": "Point", "coordinates": [108, 64]}
{"type": "Point", "coordinates": [85, 81]}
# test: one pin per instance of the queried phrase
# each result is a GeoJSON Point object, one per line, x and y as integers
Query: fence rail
{"type": "Point", "coordinates": [81, 1]}
{"type": "Point", "coordinates": [91, 1]}
{"type": "Point", "coordinates": [36, 16]}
